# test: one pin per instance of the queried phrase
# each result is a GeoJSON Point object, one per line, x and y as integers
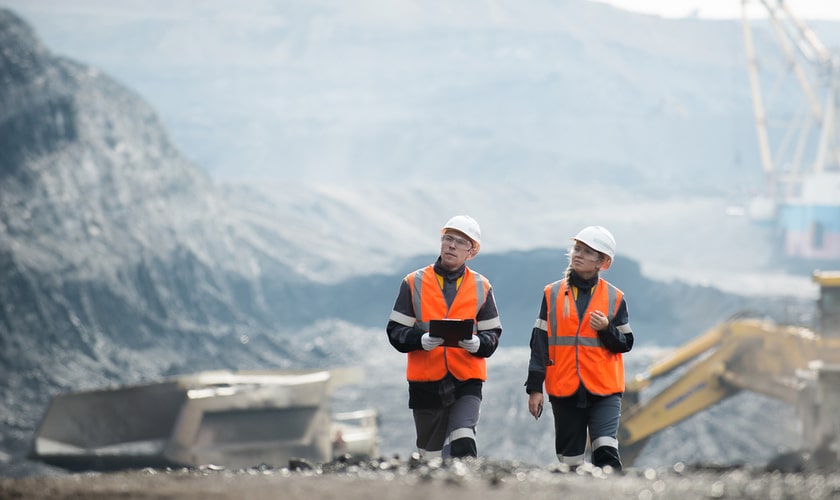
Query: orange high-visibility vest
{"type": "Point", "coordinates": [574, 348]}
{"type": "Point", "coordinates": [429, 303]}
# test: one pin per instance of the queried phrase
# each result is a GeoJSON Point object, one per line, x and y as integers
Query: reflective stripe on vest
{"type": "Point", "coordinates": [576, 352]}
{"type": "Point", "coordinates": [429, 303]}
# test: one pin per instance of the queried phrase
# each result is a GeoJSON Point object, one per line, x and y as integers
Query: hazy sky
{"type": "Point", "coordinates": [806, 9]}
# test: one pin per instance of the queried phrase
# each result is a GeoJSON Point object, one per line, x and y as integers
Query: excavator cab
{"type": "Point", "coordinates": [828, 304]}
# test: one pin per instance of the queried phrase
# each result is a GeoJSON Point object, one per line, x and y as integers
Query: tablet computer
{"type": "Point", "coordinates": [451, 330]}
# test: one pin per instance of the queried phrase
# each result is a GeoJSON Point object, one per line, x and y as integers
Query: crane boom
{"type": "Point", "coordinates": [758, 104]}
{"type": "Point", "coordinates": [798, 138]}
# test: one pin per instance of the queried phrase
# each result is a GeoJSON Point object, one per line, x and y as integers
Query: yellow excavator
{"type": "Point", "coordinates": [790, 363]}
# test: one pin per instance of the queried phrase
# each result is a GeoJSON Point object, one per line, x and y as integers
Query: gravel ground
{"type": "Point", "coordinates": [475, 479]}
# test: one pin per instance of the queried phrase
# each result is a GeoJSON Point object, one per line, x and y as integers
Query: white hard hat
{"type": "Point", "coordinates": [598, 238]}
{"type": "Point", "coordinates": [468, 226]}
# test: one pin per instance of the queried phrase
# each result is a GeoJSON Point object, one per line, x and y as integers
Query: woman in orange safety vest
{"type": "Point", "coordinates": [445, 383]}
{"type": "Point", "coordinates": [576, 352]}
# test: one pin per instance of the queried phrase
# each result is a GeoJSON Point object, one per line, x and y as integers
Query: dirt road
{"type": "Point", "coordinates": [470, 480]}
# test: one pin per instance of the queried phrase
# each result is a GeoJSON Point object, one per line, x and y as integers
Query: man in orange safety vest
{"type": "Point", "coordinates": [445, 383]}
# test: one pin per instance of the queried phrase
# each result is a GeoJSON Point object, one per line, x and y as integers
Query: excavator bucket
{"type": "Point", "coordinates": [229, 419]}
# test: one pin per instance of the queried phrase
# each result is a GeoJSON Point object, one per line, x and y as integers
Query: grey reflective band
{"type": "Point", "coordinates": [605, 441]}
{"type": "Point", "coordinates": [564, 340]}
{"type": "Point", "coordinates": [612, 293]}
{"type": "Point", "coordinates": [552, 308]}
{"type": "Point", "coordinates": [567, 340]}
{"type": "Point", "coordinates": [481, 297]}
{"type": "Point", "coordinates": [403, 319]}
{"type": "Point", "coordinates": [463, 432]}
{"type": "Point", "coordinates": [488, 324]}
{"type": "Point", "coordinates": [590, 342]}
{"type": "Point", "coordinates": [418, 286]}
{"type": "Point", "coordinates": [479, 292]}
{"type": "Point", "coordinates": [575, 460]}
{"type": "Point", "coordinates": [625, 328]}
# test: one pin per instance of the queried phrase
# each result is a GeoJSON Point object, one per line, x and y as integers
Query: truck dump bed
{"type": "Point", "coordinates": [229, 419]}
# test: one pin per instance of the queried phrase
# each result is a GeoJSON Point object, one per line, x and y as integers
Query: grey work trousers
{"type": "Point", "coordinates": [599, 421]}
{"type": "Point", "coordinates": [449, 431]}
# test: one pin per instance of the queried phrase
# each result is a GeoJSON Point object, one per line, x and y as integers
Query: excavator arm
{"type": "Point", "coordinates": [700, 387]}
{"type": "Point", "coordinates": [742, 354]}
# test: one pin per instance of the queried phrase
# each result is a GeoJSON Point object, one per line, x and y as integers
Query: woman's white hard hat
{"type": "Point", "coordinates": [468, 226]}
{"type": "Point", "coordinates": [598, 238]}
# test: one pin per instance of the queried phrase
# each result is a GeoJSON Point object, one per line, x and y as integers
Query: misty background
{"type": "Point", "coordinates": [189, 187]}
{"type": "Point", "coordinates": [406, 113]}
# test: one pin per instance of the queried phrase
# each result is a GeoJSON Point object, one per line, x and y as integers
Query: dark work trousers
{"type": "Point", "coordinates": [450, 431]}
{"type": "Point", "coordinates": [600, 419]}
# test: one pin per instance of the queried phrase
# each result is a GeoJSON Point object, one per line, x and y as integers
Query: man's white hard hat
{"type": "Point", "coordinates": [468, 226]}
{"type": "Point", "coordinates": [598, 238]}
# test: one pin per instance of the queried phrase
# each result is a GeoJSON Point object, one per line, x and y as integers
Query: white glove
{"type": "Point", "coordinates": [470, 345]}
{"type": "Point", "coordinates": [430, 342]}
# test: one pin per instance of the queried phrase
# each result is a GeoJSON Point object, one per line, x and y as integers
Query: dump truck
{"type": "Point", "coordinates": [227, 419]}
{"type": "Point", "coordinates": [790, 363]}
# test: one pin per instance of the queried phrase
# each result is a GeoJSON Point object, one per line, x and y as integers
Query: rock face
{"type": "Point", "coordinates": [117, 260]}
{"type": "Point", "coordinates": [84, 160]}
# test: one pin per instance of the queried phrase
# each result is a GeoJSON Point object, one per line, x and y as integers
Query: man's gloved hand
{"type": "Point", "coordinates": [430, 342]}
{"type": "Point", "coordinates": [470, 345]}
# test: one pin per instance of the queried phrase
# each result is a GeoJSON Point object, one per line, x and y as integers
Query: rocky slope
{"type": "Point", "coordinates": [117, 260]}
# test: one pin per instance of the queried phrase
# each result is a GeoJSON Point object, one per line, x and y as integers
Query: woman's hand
{"type": "Point", "coordinates": [599, 321]}
{"type": "Point", "coordinates": [535, 404]}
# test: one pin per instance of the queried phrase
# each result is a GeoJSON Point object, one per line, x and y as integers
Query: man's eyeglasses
{"type": "Point", "coordinates": [460, 243]}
